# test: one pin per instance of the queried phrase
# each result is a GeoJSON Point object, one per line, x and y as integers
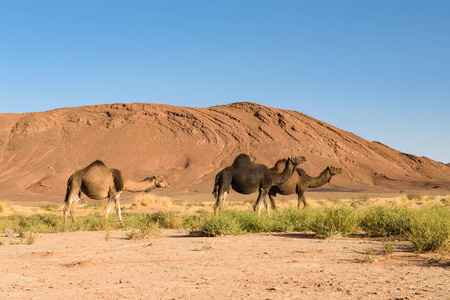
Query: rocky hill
{"type": "Point", "coordinates": [188, 146]}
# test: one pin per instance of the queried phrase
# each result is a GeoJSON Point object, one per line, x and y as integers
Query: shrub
{"type": "Point", "coordinates": [30, 239]}
{"type": "Point", "coordinates": [249, 221]}
{"type": "Point", "coordinates": [340, 221]}
{"type": "Point", "coordinates": [146, 227]}
{"type": "Point", "coordinates": [168, 219]}
{"type": "Point", "coordinates": [414, 196]}
{"type": "Point", "coordinates": [221, 225]}
{"type": "Point", "coordinates": [148, 199]}
{"type": "Point", "coordinates": [293, 220]}
{"type": "Point", "coordinates": [381, 221]}
{"type": "Point", "coordinates": [430, 229]}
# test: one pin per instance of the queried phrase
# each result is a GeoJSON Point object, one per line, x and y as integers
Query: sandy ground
{"type": "Point", "coordinates": [83, 265]}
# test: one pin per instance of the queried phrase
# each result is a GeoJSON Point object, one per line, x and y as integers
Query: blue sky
{"type": "Point", "coordinates": [379, 69]}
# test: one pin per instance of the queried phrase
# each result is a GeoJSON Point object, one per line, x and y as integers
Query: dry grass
{"type": "Point", "coordinates": [150, 200]}
{"type": "Point", "coordinates": [2, 207]}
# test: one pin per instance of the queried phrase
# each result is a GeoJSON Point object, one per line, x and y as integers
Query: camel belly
{"type": "Point", "coordinates": [245, 189]}
{"type": "Point", "coordinates": [95, 193]}
{"type": "Point", "coordinates": [283, 189]}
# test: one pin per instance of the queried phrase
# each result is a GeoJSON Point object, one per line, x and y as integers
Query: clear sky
{"type": "Point", "coordinates": [379, 69]}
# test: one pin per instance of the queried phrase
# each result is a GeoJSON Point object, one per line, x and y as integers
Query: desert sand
{"type": "Point", "coordinates": [83, 265]}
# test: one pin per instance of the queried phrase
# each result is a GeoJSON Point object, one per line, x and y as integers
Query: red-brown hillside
{"type": "Point", "coordinates": [188, 146]}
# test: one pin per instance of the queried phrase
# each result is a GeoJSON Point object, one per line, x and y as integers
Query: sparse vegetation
{"type": "Point", "coordinates": [30, 239]}
{"type": "Point", "coordinates": [370, 257]}
{"type": "Point", "coordinates": [80, 262]}
{"type": "Point", "coordinates": [107, 234]}
{"type": "Point", "coordinates": [388, 247]}
{"type": "Point", "coordinates": [445, 201]}
{"type": "Point", "coordinates": [50, 207]}
{"type": "Point", "coordinates": [426, 227]}
{"type": "Point", "coordinates": [414, 196]}
{"type": "Point", "coordinates": [147, 227]}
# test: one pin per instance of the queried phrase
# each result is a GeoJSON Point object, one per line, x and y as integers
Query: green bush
{"type": "Point", "coordinates": [389, 220]}
{"type": "Point", "coordinates": [250, 222]}
{"type": "Point", "coordinates": [430, 228]}
{"type": "Point", "coordinates": [168, 219]}
{"type": "Point", "coordinates": [340, 221]}
{"type": "Point", "coordinates": [220, 225]}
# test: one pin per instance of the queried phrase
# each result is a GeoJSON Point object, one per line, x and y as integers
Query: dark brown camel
{"type": "Point", "coordinates": [299, 183]}
{"type": "Point", "coordinates": [246, 177]}
{"type": "Point", "coordinates": [98, 182]}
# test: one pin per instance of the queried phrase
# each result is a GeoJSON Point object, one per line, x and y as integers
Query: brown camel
{"type": "Point", "coordinates": [98, 182]}
{"type": "Point", "coordinates": [299, 183]}
{"type": "Point", "coordinates": [246, 177]}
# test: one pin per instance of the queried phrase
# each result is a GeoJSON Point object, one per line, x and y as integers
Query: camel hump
{"type": "Point", "coordinates": [96, 164]}
{"type": "Point", "coordinates": [118, 179]}
{"type": "Point", "coordinates": [241, 160]}
{"type": "Point", "coordinates": [279, 166]}
{"type": "Point", "coordinates": [301, 172]}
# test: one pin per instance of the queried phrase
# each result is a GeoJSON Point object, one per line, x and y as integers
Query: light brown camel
{"type": "Point", "coordinates": [246, 177]}
{"type": "Point", "coordinates": [98, 182]}
{"type": "Point", "coordinates": [299, 183]}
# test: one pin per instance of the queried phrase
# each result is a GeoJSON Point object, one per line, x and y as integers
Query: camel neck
{"type": "Point", "coordinates": [138, 186]}
{"type": "Point", "coordinates": [320, 180]}
{"type": "Point", "coordinates": [280, 178]}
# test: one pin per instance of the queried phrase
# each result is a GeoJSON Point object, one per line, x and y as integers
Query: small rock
{"type": "Point", "coordinates": [9, 232]}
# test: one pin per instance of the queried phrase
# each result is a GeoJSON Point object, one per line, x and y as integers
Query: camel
{"type": "Point", "coordinates": [98, 182]}
{"type": "Point", "coordinates": [299, 183]}
{"type": "Point", "coordinates": [247, 177]}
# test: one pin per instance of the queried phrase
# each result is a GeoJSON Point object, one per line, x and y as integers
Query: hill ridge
{"type": "Point", "coordinates": [188, 146]}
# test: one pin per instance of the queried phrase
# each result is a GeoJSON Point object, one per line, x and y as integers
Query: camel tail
{"type": "Point", "coordinates": [69, 187]}
{"type": "Point", "coordinates": [118, 179]}
{"type": "Point", "coordinates": [216, 184]}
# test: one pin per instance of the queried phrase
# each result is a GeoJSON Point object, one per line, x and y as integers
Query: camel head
{"type": "Point", "coordinates": [161, 183]}
{"type": "Point", "coordinates": [296, 160]}
{"type": "Point", "coordinates": [334, 170]}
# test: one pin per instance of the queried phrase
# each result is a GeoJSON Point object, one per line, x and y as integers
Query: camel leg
{"type": "Point", "coordinates": [219, 203]}
{"type": "Point", "coordinates": [73, 205]}
{"type": "Point", "coordinates": [301, 198]}
{"type": "Point", "coordinates": [66, 211]}
{"type": "Point", "coordinates": [266, 204]}
{"type": "Point", "coordinates": [272, 200]}
{"type": "Point", "coordinates": [70, 203]}
{"type": "Point", "coordinates": [260, 200]}
{"type": "Point", "coordinates": [222, 205]}
{"type": "Point", "coordinates": [223, 183]}
{"type": "Point", "coordinates": [305, 204]}
{"type": "Point", "coordinates": [108, 205]}
{"type": "Point", "coordinates": [118, 210]}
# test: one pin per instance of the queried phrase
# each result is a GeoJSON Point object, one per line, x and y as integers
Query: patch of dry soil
{"type": "Point", "coordinates": [83, 265]}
